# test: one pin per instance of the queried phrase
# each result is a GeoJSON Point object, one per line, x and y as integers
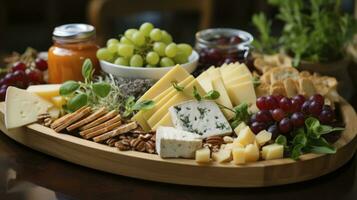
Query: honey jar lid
{"type": "Point", "coordinates": [73, 32]}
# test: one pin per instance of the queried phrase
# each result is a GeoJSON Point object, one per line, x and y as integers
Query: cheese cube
{"type": "Point", "coordinates": [174, 143]}
{"type": "Point", "coordinates": [237, 144]}
{"type": "Point", "coordinates": [45, 91]}
{"type": "Point", "coordinates": [58, 101]}
{"type": "Point", "coordinates": [23, 107]}
{"type": "Point", "coordinates": [263, 137]}
{"type": "Point", "coordinates": [203, 155]}
{"type": "Point", "coordinates": [228, 146]}
{"type": "Point", "coordinates": [240, 127]}
{"type": "Point", "coordinates": [246, 136]}
{"type": "Point", "coordinates": [238, 155]}
{"type": "Point", "coordinates": [273, 151]}
{"type": "Point", "coordinates": [223, 155]}
{"type": "Point", "coordinates": [251, 153]}
{"type": "Point", "coordinates": [203, 118]}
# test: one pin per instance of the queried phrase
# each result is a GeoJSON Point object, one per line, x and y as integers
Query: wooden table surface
{"type": "Point", "coordinates": [31, 175]}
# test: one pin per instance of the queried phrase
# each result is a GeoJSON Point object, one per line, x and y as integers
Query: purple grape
{"type": "Point", "coordinates": [318, 98]}
{"type": "Point", "coordinates": [296, 105]}
{"type": "Point", "coordinates": [271, 103]}
{"type": "Point", "coordinates": [274, 130]}
{"type": "Point", "coordinates": [257, 127]}
{"type": "Point", "coordinates": [261, 103]}
{"type": "Point", "coordinates": [263, 116]}
{"type": "Point", "coordinates": [305, 107]}
{"type": "Point", "coordinates": [299, 98]}
{"type": "Point", "coordinates": [253, 118]}
{"type": "Point", "coordinates": [285, 125]}
{"type": "Point", "coordinates": [278, 114]}
{"type": "Point", "coordinates": [285, 104]}
{"type": "Point", "coordinates": [326, 116]}
{"type": "Point", "coordinates": [297, 119]}
{"type": "Point", "coordinates": [315, 108]}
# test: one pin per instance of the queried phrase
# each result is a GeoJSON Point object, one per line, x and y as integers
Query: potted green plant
{"type": "Point", "coordinates": [315, 33]}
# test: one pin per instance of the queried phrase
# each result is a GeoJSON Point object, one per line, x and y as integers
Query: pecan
{"type": "Point", "coordinates": [227, 139]}
{"type": "Point", "coordinates": [112, 141]}
{"type": "Point", "coordinates": [215, 140]}
{"type": "Point", "coordinates": [150, 146]}
{"type": "Point", "coordinates": [145, 137]}
{"type": "Point", "coordinates": [44, 119]}
{"type": "Point", "coordinates": [138, 144]}
{"type": "Point", "coordinates": [122, 146]}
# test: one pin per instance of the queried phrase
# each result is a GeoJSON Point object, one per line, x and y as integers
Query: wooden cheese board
{"type": "Point", "coordinates": [184, 171]}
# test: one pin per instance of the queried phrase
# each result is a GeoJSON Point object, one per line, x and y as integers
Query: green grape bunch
{"type": "Point", "coordinates": [145, 47]}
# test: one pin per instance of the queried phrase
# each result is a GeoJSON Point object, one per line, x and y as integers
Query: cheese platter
{"type": "Point", "coordinates": [230, 125]}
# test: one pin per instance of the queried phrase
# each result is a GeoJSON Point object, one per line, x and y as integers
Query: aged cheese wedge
{"type": "Point", "coordinates": [177, 74]}
{"type": "Point", "coordinates": [246, 136]}
{"type": "Point", "coordinates": [160, 101]}
{"type": "Point", "coordinates": [223, 98]}
{"type": "Point", "coordinates": [251, 153]}
{"type": "Point", "coordinates": [174, 143]}
{"type": "Point", "coordinates": [45, 91]}
{"type": "Point", "coordinates": [273, 151]}
{"type": "Point", "coordinates": [203, 155]}
{"type": "Point", "coordinates": [23, 107]}
{"type": "Point", "coordinates": [242, 93]}
{"type": "Point", "coordinates": [238, 155]}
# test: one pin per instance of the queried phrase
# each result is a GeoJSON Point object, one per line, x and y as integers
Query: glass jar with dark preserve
{"type": "Point", "coordinates": [222, 45]}
{"type": "Point", "coordinates": [72, 44]}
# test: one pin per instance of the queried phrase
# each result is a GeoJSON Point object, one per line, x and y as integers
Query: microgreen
{"type": "Point", "coordinates": [177, 86]}
{"type": "Point", "coordinates": [131, 105]}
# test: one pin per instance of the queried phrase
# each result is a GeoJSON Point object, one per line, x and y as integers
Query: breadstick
{"type": "Point", "coordinates": [61, 120]}
{"type": "Point", "coordinates": [104, 118]}
{"type": "Point", "coordinates": [120, 130]}
{"type": "Point", "coordinates": [75, 117]}
{"type": "Point", "coordinates": [100, 126]}
{"type": "Point", "coordinates": [103, 130]}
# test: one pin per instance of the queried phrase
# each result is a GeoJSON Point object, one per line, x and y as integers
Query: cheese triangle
{"type": "Point", "coordinates": [23, 107]}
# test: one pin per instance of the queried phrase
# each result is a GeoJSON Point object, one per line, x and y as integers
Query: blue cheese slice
{"type": "Point", "coordinates": [23, 107]}
{"type": "Point", "coordinates": [204, 118]}
{"type": "Point", "coordinates": [174, 143]}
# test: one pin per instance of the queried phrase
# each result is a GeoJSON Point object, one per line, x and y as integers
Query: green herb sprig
{"type": "Point", "coordinates": [211, 95]}
{"type": "Point", "coordinates": [308, 139]}
{"type": "Point", "coordinates": [79, 94]}
{"type": "Point", "coordinates": [131, 106]}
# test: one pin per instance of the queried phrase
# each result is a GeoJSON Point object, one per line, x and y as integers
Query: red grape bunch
{"type": "Point", "coordinates": [20, 75]}
{"type": "Point", "coordinates": [281, 115]}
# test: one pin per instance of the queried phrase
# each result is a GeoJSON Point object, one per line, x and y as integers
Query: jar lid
{"type": "Point", "coordinates": [73, 32]}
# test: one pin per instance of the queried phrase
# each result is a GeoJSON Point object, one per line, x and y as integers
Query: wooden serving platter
{"type": "Point", "coordinates": [184, 171]}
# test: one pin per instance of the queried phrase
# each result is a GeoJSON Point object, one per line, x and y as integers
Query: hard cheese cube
{"type": "Point", "coordinates": [203, 155]}
{"type": "Point", "coordinates": [263, 137]}
{"type": "Point", "coordinates": [174, 143]}
{"type": "Point", "coordinates": [223, 155]}
{"type": "Point", "coordinates": [246, 136]}
{"type": "Point", "coordinates": [238, 155]}
{"type": "Point", "coordinates": [251, 153]}
{"type": "Point", "coordinates": [273, 151]}
{"type": "Point", "coordinates": [240, 127]}
{"type": "Point", "coordinates": [203, 118]}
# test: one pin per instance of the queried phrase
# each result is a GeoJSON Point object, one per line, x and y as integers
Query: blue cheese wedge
{"type": "Point", "coordinates": [23, 107]}
{"type": "Point", "coordinates": [204, 118]}
{"type": "Point", "coordinates": [174, 143]}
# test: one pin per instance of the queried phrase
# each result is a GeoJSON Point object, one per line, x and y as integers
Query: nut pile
{"type": "Point", "coordinates": [214, 143]}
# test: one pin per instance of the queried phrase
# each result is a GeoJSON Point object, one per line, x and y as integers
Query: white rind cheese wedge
{"type": "Point", "coordinates": [22, 107]}
{"type": "Point", "coordinates": [204, 118]}
{"type": "Point", "coordinates": [174, 143]}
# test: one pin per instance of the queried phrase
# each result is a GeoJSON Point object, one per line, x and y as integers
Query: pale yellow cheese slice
{"type": "Point", "coordinates": [240, 79]}
{"type": "Point", "coordinates": [242, 93]}
{"type": "Point", "coordinates": [205, 81]}
{"type": "Point", "coordinates": [223, 98]}
{"type": "Point", "coordinates": [165, 121]}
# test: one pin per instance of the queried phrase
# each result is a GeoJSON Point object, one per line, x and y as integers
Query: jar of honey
{"type": "Point", "coordinates": [72, 44]}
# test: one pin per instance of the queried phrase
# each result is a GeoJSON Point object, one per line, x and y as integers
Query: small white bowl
{"type": "Point", "coordinates": [146, 72]}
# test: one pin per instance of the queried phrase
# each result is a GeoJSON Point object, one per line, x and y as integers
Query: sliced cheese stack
{"type": "Point", "coordinates": [165, 95]}
{"type": "Point", "coordinates": [22, 107]}
{"type": "Point", "coordinates": [174, 143]}
{"type": "Point", "coordinates": [233, 81]}
{"type": "Point", "coordinates": [203, 118]}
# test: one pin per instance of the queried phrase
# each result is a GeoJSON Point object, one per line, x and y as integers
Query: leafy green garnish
{"type": "Point", "coordinates": [131, 106]}
{"type": "Point", "coordinates": [79, 94]}
{"type": "Point", "coordinates": [177, 86]}
{"type": "Point", "coordinates": [196, 94]}
{"type": "Point", "coordinates": [308, 139]}
{"type": "Point", "coordinates": [241, 114]}
{"type": "Point", "coordinates": [212, 95]}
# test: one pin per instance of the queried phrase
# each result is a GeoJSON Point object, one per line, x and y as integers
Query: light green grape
{"type": "Point", "coordinates": [112, 41]}
{"type": "Point", "coordinates": [152, 58]}
{"type": "Point", "coordinates": [136, 61]}
{"type": "Point", "coordinates": [155, 34]}
{"type": "Point", "coordinates": [145, 28]}
{"type": "Point", "coordinates": [129, 33]}
{"type": "Point", "coordinates": [159, 47]}
{"type": "Point", "coordinates": [138, 38]}
{"type": "Point", "coordinates": [104, 54]}
{"type": "Point", "coordinates": [122, 61]}
{"type": "Point", "coordinates": [166, 62]}
{"type": "Point", "coordinates": [151, 66]}
{"type": "Point", "coordinates": [125, 50]}
{"type": "Point", "coordinates": [125, 40]}
{"type": "Point", "coordinates": [171, 50]}
{"type": "Point", "coordinates": [180, 58]}
{"type": "Point", "coordinates": [113, 47]}
{"type": "Point", "coordinates": [185, 48]}
{"type": "Point", "coordinates": [166, 37]}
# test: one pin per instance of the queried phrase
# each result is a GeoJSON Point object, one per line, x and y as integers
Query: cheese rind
{"type": "Point", "coordinates": [174, 143]}
{"type": "Point", "coordinates": [203, 118]}
{"type": "Point", "coordinates": [23, 107]}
